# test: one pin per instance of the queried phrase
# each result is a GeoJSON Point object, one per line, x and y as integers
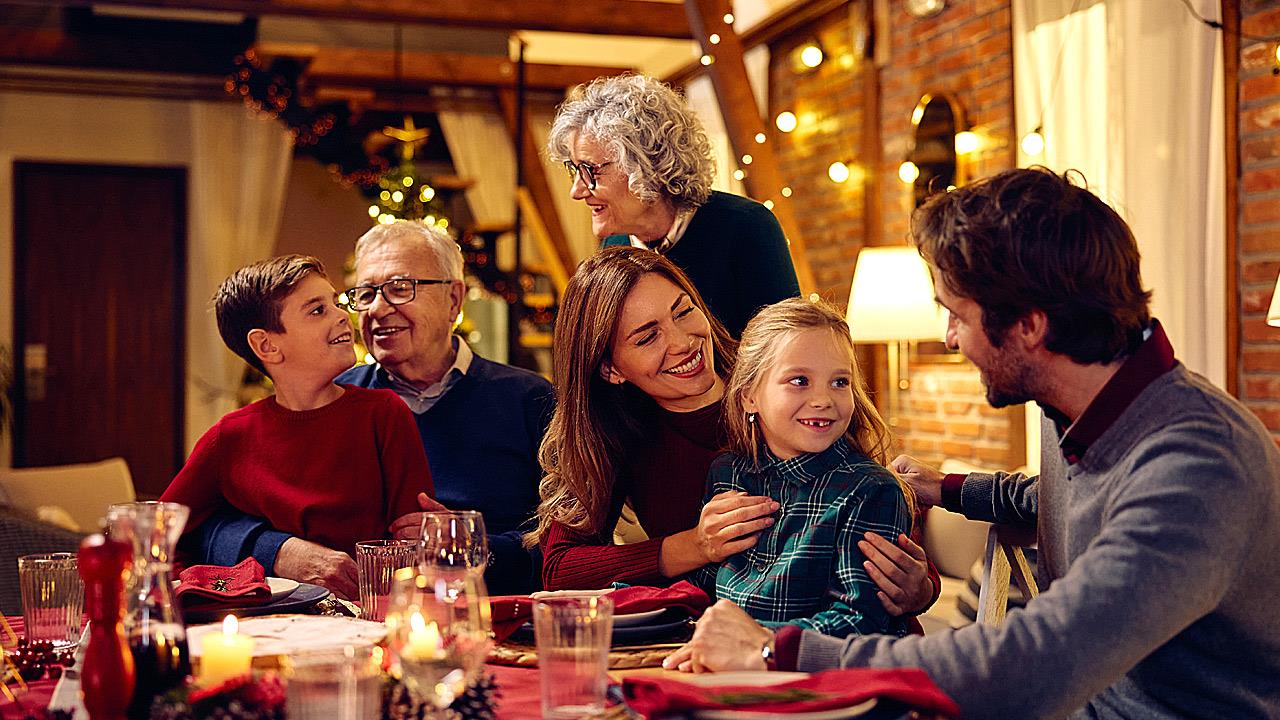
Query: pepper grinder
{"type": "Point", "coordinates": [107, 678]}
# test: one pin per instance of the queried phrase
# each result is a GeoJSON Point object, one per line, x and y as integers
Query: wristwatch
{"type": "Point", "coordinates": [767, 654]}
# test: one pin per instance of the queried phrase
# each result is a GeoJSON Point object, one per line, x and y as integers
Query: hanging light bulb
{"type": "Point", "coordinates": [706, 59]}
{"type": "Point", "coordinates": [714, 38]}
{"type": "Point", "coordinates": [1033, 142]}
{"type": "Point", "coordinates": [786, 121]}
{"type": "Point", "coordinates": [908, 172]}
{"type": "Point", "coordinates": [728, 18]}
{"type": "Point", "coordinates": [966, 142]}
{"type": "Point", "coordinates": [746, 159]}
{"type": "Point", "coordinates": [786, 191]}
{"type": "Point", "coordinates": [739, 174]}
{"type": "Point", "coordinates": [838, 172]}
{"type": "Point", "coordinates": [811, 55]}
{"type": "Point", "coordinates": [768, 204]}
{"type": "Point", "coordinates": [760, 138]}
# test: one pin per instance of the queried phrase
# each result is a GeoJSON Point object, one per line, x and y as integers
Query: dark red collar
{"type": "Point", "coordinates": [1153, 358]}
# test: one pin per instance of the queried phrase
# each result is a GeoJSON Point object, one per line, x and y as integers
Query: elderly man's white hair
{"type": "Point", "coordinates": [434, 241]}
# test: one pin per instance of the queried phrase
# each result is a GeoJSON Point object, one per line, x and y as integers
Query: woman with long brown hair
{"type": "Point", "coordinates": [640, 367]}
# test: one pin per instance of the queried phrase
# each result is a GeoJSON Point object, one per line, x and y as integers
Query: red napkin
{"type": "Point", "coordinates": [657, 696]}
{"type": "Point", "coordinates": [509, 612]}
{"type": "Point", "coordinates": [206, 586]}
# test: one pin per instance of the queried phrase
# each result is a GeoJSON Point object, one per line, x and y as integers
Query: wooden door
{"type": "Point", "coordinates": [98, 301]}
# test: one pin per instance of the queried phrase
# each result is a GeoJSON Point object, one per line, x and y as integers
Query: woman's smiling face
{"type": "Point", "coordinates": [662, 344]}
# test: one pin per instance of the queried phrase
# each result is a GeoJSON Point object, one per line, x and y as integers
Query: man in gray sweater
{"type": "Point", "coordinates": [1157, 507]}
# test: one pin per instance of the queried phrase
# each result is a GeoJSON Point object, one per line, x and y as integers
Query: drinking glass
{"type": "Point", "coordinates": [341, 685]}
{"type": "Point", "coordinates": [572, 635]}
{"type": "Point", "coordinates": [454, 539]}
{"type": "Point", "coordinates": [438, 628]}
{"type": "Point", "coordinates": [377, 561]}
{"type": "Point", "coordinates": [52, 597]}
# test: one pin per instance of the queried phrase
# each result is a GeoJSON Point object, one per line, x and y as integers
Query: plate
{"type": "Point", "coordinates": [665, 623]}
{"type": "Point", "coordinates": [765, 679]}
{"type": "Point", "coordinates": [299, 599]}
{"type": "Point", "coordinates": [280, 587]}
{"type": "Point", "coordinates": [546, 594]}
{"type": "Point", "coordinates": [639, 618]}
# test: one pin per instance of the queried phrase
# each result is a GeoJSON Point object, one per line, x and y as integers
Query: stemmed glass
{"type": "Point", "coordinates": [438, 626]}
{"type": "Point", "coordinates": [454, 539]}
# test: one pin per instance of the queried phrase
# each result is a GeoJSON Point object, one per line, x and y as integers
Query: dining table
{"type": "Point", "coordinates": [518, 697]}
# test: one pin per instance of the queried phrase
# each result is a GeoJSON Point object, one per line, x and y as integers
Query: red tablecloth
{"type": "Point", "coordinates": [38, 693]}
{"type": "Point", "coordinates": [519, 687]}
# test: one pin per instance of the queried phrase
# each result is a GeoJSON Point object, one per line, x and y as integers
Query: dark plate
{"type": "Point", "coordinates": [302, 598]}
{"type": "Point", "coordinates": [666, 624]}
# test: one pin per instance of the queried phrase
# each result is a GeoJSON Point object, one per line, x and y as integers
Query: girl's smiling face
{"type": "Point", "coordinates": [804, 401]}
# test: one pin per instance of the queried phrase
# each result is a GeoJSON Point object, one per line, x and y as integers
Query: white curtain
{"type": "Point", "coordinates": [239, 170]}
{"type": "Point", "coordinates": [1138, 107]}
{"type": "Point", "coordinates": [483, 153]}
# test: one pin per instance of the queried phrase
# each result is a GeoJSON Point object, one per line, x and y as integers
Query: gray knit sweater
{"type": "Point", "coordinates": [1163, 549]}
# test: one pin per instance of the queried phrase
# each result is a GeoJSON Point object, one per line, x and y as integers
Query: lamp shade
{"type": "Point", "coordinates": [1273, 314]}
{"type": "Point", "coordinates": [892, 297]}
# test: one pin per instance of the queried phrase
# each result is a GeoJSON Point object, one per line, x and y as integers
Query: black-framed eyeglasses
{"type": "Point", "coordinates": [395, 292]}
{"type": "Point", "coordinates": [589, 172]}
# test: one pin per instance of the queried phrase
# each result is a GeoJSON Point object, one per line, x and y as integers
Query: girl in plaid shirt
{"type": "Point", "coordinates": [803, 432]}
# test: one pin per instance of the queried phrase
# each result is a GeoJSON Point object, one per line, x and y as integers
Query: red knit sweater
{"type": "Point", "coordinates": [665, 477]}
{"type": "Point", "coordinates": [335, 475]}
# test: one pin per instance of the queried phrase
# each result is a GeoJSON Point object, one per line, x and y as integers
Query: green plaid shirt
{"type": "Point", "coordinates": [806, 569]}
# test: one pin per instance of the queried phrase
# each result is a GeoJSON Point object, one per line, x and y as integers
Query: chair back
{"type": "Point", "coordinates": [74, 496]}
{"type": "Point", "coordinates": [1004, 559]}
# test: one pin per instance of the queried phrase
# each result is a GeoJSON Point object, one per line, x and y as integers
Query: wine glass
{"type": "Point", "coordinates": [454, 539]}
{"type": "Point", "coordinates": [438, 626]}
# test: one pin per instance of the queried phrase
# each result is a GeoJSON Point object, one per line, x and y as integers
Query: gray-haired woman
{"type": "Point", "coordinates": [642, 162]}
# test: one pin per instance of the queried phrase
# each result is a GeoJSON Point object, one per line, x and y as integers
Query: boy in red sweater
{"type": "Point", "coordinates": [327, 463]}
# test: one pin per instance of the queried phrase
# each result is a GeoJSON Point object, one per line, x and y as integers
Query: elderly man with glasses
{"type": "Point", "coordinates": [481, 422]}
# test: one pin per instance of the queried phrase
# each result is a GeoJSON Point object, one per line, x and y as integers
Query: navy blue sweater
{"type": "Point", "coordinates": [482, 441]}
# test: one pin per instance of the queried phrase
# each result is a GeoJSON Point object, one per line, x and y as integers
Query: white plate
{"type": "Point", "coordinates": [281, 587]}
{"type": "Point", "coordinates": [640, 618]}
{"type": "Point", "coordinates": [546, 594]}
{"type": "Point", "coordinates": [765, 679]}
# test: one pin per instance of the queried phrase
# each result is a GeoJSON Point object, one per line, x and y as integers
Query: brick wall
{"type": "Point", "coordinates": [1259, 219]}
{"type": "Point", "coordinates": [966, 51]}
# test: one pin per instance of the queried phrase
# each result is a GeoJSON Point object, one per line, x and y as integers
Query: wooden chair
{"type": "Point", "coordinates": [1004, 559]}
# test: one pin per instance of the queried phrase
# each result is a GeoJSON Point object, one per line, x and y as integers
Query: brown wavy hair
{"type": "Point", "coordinates": [1031, 239]}
{"type": "Point", "coordinates": [758, 350]}
{"type": "Point", "coordinates": [596, 422]}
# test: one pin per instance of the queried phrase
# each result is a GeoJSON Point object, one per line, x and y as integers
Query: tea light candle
{"type": "Point", "coordinates": [424, 638]}
{"type": "Point", "coordinates": [227, 655]}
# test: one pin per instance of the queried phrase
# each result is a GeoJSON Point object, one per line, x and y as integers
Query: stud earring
{"type": "Point", "coordinates": [751, 418]}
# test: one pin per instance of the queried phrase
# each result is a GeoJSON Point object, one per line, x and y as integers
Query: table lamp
{"type": "Point", "coordinates": [891, 301]}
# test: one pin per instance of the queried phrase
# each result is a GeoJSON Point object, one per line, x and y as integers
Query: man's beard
{"type": "Point", "coordinates": [1012, 384]}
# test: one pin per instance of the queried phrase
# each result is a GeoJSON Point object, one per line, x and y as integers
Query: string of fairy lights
{"type": "Point", "coordinates": [810, 55]}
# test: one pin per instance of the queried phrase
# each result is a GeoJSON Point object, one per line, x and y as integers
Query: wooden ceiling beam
{"type": "Point", "coordinates": [742, 123]}
{"type": "Point", "coordinates": [536, 183]}
{"type": "Point", "coordinates": [791, 19]}
{"type": "Point", "coordinates": [376, 68]}
{"type": "Point", "coordinates": [646, 18]}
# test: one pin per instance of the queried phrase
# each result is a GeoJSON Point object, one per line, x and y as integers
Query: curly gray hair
{"type": "Point", "coordinates": [656, 139]}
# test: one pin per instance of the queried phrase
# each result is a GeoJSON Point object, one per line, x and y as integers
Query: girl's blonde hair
{"type": "Point", "coordinates": [596, 422]}
{"type": "Point", "coordinates": [758, 350]}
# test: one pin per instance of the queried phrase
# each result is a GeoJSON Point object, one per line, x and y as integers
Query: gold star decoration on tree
{"type": "Point", "coordinates": [409, 137]}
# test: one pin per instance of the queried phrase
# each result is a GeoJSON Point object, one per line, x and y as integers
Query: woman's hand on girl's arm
{"type": "Point", "coordinates": [900, 571]}
{"type": "Point", "coordinates": [729, 524]}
